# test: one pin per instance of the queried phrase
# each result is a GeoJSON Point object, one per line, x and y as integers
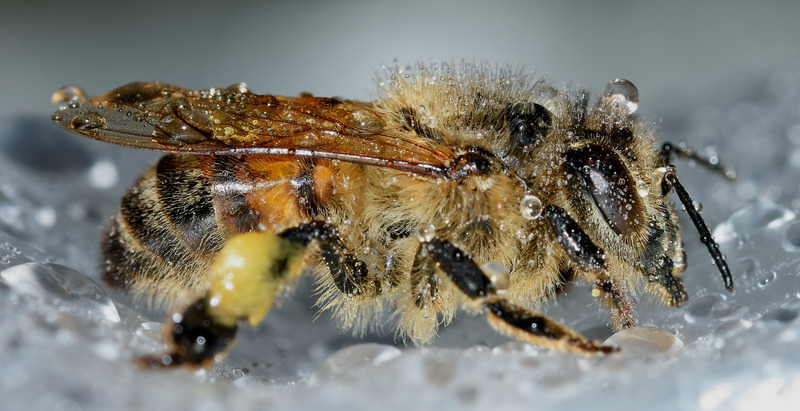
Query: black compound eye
{"type": "Point", "coordinates": [528, 123]}
{"type": "Point", "coordinates": [610, 184]}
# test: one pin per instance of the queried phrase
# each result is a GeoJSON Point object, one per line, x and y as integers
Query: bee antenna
{"type": "Point", "coordinates": [671, 178]}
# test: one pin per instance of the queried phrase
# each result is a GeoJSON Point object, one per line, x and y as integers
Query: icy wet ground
{"type": "Point", "coordinates": [66, 345]}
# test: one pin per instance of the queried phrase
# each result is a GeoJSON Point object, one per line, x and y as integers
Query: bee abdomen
{"type": "Point", "coordinates": [167, 232]}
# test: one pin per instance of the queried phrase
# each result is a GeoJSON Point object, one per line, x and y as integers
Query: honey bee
{"type": "Point", "coordinates": [469, 187]}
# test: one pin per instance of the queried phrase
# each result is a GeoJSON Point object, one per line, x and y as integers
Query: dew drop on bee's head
{"type": "Point", "coordinates": [621, 93]}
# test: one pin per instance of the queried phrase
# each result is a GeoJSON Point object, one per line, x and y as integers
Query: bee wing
{"type": "Point", "coordinates": [233, 121]}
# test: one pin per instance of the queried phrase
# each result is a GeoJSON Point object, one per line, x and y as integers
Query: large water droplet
{"type": "Point", "coordinates": [354, 357]}
{"type": "Point", "coordinates": [646, 341]}
{"type": "Point", "coordinates": [68, 93]}
{"type": "Point", "coordinates": [623, 94]}
{"type": "Point", "coordinates": [699, 310]}
{"type": "Point", "coordinates": [761, 215]}
{"type": "Point", "coordinates": [61, 285]}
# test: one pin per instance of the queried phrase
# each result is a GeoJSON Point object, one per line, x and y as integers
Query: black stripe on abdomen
{"type": "Point", "coordinates": [185, 194]}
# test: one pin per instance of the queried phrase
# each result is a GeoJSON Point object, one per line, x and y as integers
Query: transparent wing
{"type": "Point", "coordinates": [233, 121]}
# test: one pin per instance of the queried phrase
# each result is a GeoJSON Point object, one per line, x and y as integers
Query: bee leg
{"type": "Point", "coordinates": [713, 164]}
{"type": "Point", "coordinates": [671, 181]}
{"type": "Point", "coordinates": [195, 336]}
{"type": "Point", "coordinates": [505, 316]}
{"type": "Point", "coordinates": [350, 274]}
{"type": "Point", "coordinates": [243, 281]}
{"type": "Point", "coordinates": [614, 296]}
{"type": "Point", "coordinates": [590, 259]}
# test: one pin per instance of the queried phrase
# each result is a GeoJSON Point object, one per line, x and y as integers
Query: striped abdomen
{"type": "Point", "coordinates": [176, 218]}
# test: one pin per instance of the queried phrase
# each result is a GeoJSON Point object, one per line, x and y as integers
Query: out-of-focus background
{"type": "Point", "coordinates": [723, 76]}
{"type": "Point", "coordinates": [673, 51]}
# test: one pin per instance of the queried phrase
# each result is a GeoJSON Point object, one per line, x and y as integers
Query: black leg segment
{"type": "Point", "coordinates": [349, 273]}
{"type": "Point", "coordinates": [671, 181]}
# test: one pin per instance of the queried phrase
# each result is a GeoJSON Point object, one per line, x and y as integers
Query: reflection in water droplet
{"type": "Point", "coordinates": [646, 341]}
{"type": "Point", "coordinates": [352, 358]}
{"type": "Point", "coordinates": [62, 285]}
{"type": "Point", "coordinates": [623, 93]}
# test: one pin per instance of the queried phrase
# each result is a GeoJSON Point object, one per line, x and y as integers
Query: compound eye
{"type": "Point", "coordinates": [608, 181]}
{"type": "Point", "coordinates": [528, 123]}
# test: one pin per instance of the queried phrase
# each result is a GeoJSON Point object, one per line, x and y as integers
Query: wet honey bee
{"type": "Point", "coordinates": [459, 187]}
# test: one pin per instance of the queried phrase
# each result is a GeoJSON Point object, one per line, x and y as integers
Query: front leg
{"type": "Point", "coordinates": [503, 315]}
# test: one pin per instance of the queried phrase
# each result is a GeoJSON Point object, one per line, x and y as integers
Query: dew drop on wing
{"type": "Point", "coordinates": [69, 93]}
{"type": "Point", "coordinates": [88, 120]}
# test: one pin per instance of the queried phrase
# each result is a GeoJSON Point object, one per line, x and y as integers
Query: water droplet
{"type": "Point", "coordinates": [791, 238]}
{"type": "Point", "coordinates": [56, 283]}
{"type": "Point", "coordinates": [782, 315]}
{"type": "Point", "coordinates": [761, 215]}
{"type": "Point", "coordinates": [531, 207]}
{"type": "Point", "coordinates": [498, 275]}
{"type": "Point", "coordinates": [646, 341]}
{"type": "Point", "coordinates": [766, 277]}
{"type": "Point", "coordinates": [352, 358]}
{"type": "Point", "coordinates": [103, 174]}
{"type": "Point", "coordinates": [642, 188]}
{"type": "Point", "coordinates": [89, 120]}
{"type": "Point", "coordinates": [427, 233]}
{"type": "Point", "coordinates": [623, 94]}
{"type": "Point", "coordinates": [366, 120]}
{"type": "Point", "coordinates": [726, 311]}
{"type": "Point", "coordinates": [699, 310]}
{"type": "Point", "coordinates": [68, 93]}
{"type": "Point", "coordinates": [239, 88]}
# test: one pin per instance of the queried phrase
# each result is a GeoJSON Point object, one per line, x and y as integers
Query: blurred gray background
{"type": "Point", "coordinates": [673, 51]}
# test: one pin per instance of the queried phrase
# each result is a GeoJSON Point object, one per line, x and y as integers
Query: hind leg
{"type": "Point", "coordinates": [244, 279]}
